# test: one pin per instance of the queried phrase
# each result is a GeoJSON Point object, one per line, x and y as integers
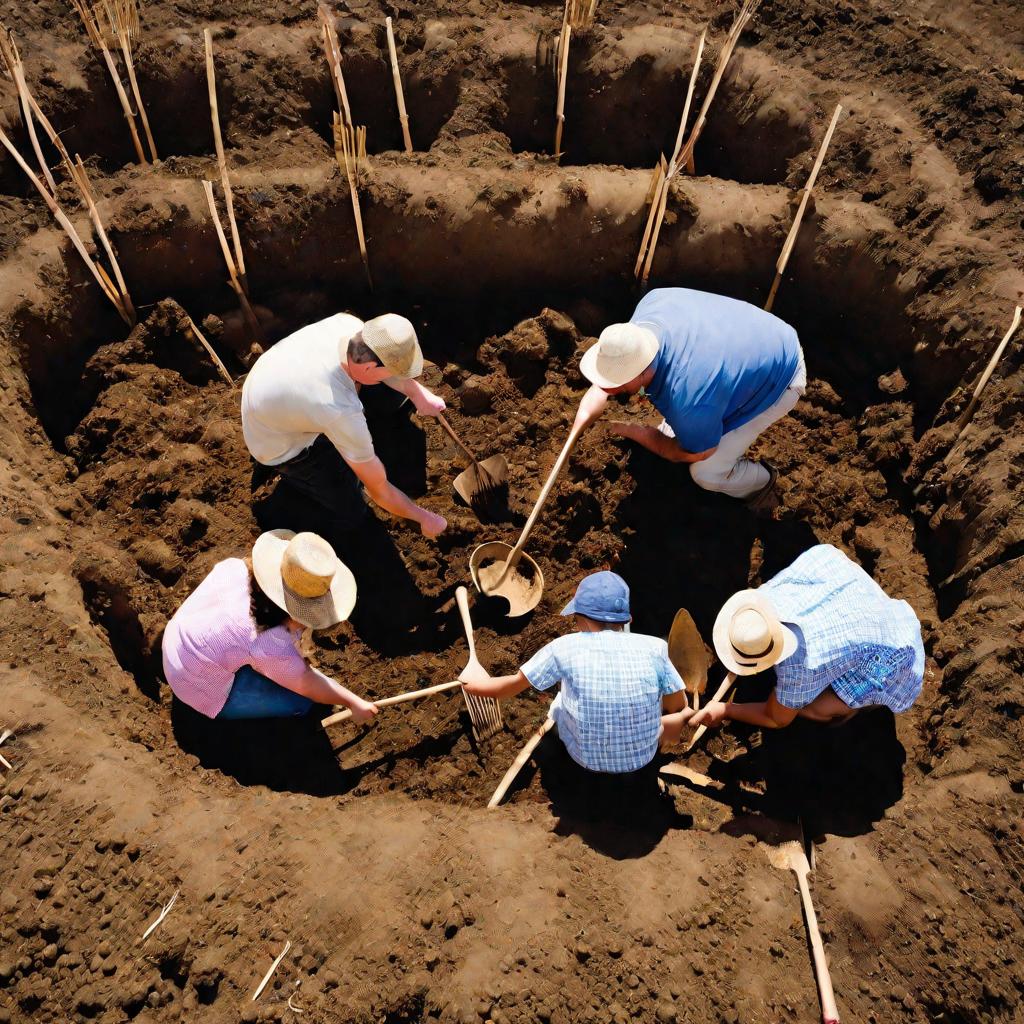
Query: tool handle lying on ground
{"type": "Point", "coordinates": [563, 455]}
{"type": "Point", "coordinates": [521, 758]}
{"type": "Point", "coordinates": [829, 1010]}
{"type": "Point", "coordinates": [719, 694]}
{"type": "Point", "coordinates": [400, 698]}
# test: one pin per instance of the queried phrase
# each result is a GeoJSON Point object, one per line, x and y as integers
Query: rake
{"type": "Point", "coordinates": [350, 152]}
{"type": "Point", "coordinates": [484, 712]}
{"type": "Point", "coordinates": [577, 16]}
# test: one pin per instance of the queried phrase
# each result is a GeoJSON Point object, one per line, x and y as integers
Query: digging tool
{"type": "Point", "coordinates": [484, 484]}
{"type": "Point", "coordinates": [719, 694]}
{"type": "Point", "coordinates": [688, 654]}
{"type": "Point", "coordinates": [484, 712]}
{"type": "Point", "coordinates": [501, 574]}
{"type": "Point", "coordinates": [521, 758]}
{"type": "Point", "coordinates": [401, 698]}
{"type": "Point", "coordinates": [787, 247]}
{"type": "Point", "coordinates": [793, 855]}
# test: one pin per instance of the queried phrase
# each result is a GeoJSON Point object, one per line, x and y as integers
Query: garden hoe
{"type": "Point", "coordinates": [495, 567]}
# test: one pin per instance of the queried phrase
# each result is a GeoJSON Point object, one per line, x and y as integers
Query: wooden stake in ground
{"type": "Point", "coordinates": [787, 247]}
{"type": "Point", "coordinates": [965, 416]}
{"type": "Point", "coordinates": [9, 50]}
{"type": "Point", "coordinates": [233, 276]}
{"type": "Point", "coordinates": [684, 156]}
{"type": "Point", "coordinates": [92, 29]}
{"type": "Point", "coordinates": [222, 369]}
{"type": "Point", "coordinates": [400, 96]}
{"type": "Point", "coordinates": [273, 967]}
{"type": "Point", "coordinates": [577, 16]}
{"type": "Point", "coordinates": [350, 152]}
{"type": "Point", "coordinates": [122, 27]}
{"type": "Point", "coordinates": [229, 198]}
{"type": "Point", "coordinates": [62, 218]}
{"type": "Point", "coordinates": [332, 50]}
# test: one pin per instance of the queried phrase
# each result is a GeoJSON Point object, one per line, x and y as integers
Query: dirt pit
{"type": "Point", "coordinates": [125, 478]}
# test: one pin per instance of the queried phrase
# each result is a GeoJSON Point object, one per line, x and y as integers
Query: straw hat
{"type": "Point", "coordinates": [748, 635]}
{"type": "Point", "coordinates": [622, 352]}
{"type": "Point", "coordinates": [300, 573]}
{"type": "Point", "coordinates": [392, 339]}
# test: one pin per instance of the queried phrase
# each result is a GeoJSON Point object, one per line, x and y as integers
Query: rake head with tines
{"type": "Point", "coordinates": [117, 20]}
{"type": "Point", "coordinates": [579, 14]}
{"type": "Point", "coordinates": [484, 712]}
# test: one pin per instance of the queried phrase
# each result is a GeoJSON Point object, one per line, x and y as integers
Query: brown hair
{"type": "Point", "coordinates": [264, 612]}
{"type": "Point", "coordinates": [360, 352]}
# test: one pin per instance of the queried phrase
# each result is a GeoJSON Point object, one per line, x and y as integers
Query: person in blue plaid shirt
{"type": "Point", "coordinates": [837, 641]}
{"type": "Point", "coordinates": [615, 685]}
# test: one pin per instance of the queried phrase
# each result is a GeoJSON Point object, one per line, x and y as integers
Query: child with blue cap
{"type": "Point", "coordinates": [615, 685]}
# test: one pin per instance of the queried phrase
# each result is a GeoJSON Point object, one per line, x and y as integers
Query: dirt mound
{"type": "Point", "coordinates": [124, 478]}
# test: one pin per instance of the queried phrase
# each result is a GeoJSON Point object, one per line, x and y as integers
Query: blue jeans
{"type": "Point", "coordinates": [255, 696]}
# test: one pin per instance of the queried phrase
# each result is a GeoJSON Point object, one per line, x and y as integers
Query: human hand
{"type": "Point", "coordinates": [591, 406]}
{"type": "Point", "coordinates": [426, 402]}
{"type": "Point", "coordinates": [431, 524]}
{"type": "Point", "coordinates": [363, 711]}
{"type": "Point", "coordinates": [713, 713]}
{"type": "Point", "coordinates": [473, 677]}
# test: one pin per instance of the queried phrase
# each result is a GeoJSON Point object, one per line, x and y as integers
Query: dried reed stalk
{"type": "Point", "coordinates": [402, 114]}
{"type": "Point", "coordinates": [62, 218]}
{"type": "Point", "coordinates": [787, 248]}
{"type": "Point", "coordinates": [332, 51]}
{"type": "Point", "coordinates": [92, 29]}
{"type": "Point", "coordinates": [12, 58]}
{"type": "Point", "coordinates": [233, 275]}
{"type": "Point", "coordinates": [273, 967]}
{"type": "Point", "coordinates": [209, 351]}
{"type": "Point", "coordinates": [577, 16]}
{"type": "Point", "coordinates": [350, 152]}
{"type": "Point", "coordinates": [229, 199]}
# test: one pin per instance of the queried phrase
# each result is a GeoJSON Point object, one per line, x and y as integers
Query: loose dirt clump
{"type": "Point", "coordinates": [124, 478]}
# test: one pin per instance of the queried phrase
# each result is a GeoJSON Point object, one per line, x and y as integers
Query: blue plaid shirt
{"type": "Point", "coordinates": [852, 635]}
{"type": "Point", "coordinates": [608, 712]}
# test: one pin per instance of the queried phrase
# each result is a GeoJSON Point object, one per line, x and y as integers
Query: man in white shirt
{"type": "Point", "coordinates": [302, 416]}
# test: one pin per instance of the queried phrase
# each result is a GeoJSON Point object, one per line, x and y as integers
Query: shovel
{"type": "Point", "coordinates": [688, 654]}
{"type": "Point", "coordinates": [793, 855]}
{"type": "Point", "coordinates": [494, 566]}
{"type": "Point", "coordinates": [483, 485]}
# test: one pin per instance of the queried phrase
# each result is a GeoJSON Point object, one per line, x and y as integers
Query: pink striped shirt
{"type": "Point", "coordinates": [212, 635]}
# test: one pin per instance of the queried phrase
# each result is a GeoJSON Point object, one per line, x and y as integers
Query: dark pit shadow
{"type": "Point", "coordinates": [617, 818]}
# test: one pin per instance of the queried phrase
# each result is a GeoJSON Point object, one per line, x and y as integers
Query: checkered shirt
{"type": "Point", "coordinates": [852, 635]}
{"type": "Point", "coordinates": [608, 712]}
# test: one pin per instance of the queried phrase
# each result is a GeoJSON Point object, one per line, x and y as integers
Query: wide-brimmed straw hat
{"type": "Point", "coordinates": [748, 635]}
{"type": "Point", "coordinates": [392, 339]}
{"type": "Point", "coordinates": [300, 573]}
{"type": "Point", "coordinates": [622, 352]}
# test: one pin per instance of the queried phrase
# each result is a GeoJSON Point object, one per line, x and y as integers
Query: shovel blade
{"type": "Point", "coordinates": [522, 586]}
{"type": "Point", "coordinates": [483, 486]}
{"type": "Point", "coordinates": [687, 652]}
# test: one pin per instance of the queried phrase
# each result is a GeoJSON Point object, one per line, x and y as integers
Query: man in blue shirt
{"type": "Point", "coordinates": [719, 370]}
{"type": "Point", "coordinates": [615, 685]}
{"type": "Point", "coordinates": [837, 641]}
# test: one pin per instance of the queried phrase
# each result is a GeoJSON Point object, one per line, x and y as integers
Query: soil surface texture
{"type": "Point", "coordinates": [124, 478]}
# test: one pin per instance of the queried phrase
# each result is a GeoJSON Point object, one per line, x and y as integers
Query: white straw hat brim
{"type": "Point", "coordinates": [626, 369]}
{"type": "Point", "coordinates": [315, 612]}
{"type": "Point", "coordinates": [783, 639]}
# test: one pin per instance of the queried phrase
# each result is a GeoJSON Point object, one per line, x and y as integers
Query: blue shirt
{"type": "Point", "coordinates": [721, 362]}
{"type": "Point", "coordinates": [609, 708]}
{"type": "Point", "coordinates": [852, 635]}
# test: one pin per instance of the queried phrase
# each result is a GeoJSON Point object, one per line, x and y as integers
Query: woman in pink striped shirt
{"type": "Point", "coordinates": [232, 649]}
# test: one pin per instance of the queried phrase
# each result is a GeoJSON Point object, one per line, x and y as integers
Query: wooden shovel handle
{"type": "Point", "coordinates": [517, 551]}
{"type": "Point", "coordinates": [400, 698]}
{"type": "Point", "coordinates": [719, 694]}
{"type": "Point", "coordinates": [829, 1010]}
{"type": "Point", "coordinates": [521, 758]}
{"type": "Point", "coordinates": [462, 599]}
{"type": "Point", "coordinates": [455, 437]}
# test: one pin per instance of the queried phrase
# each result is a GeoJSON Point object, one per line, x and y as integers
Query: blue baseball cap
{"type": "Point", "coordinates": [603, 596]}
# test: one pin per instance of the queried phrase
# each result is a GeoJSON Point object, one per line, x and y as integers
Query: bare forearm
{"type": "Point", "coordinates": [756, 713]}
{"type": "Point", "coordinates": [498, 687]}
{"type": "Point", "coordinates": [323, 689]}
{"type": "Point", "coordinates": [395, 501]}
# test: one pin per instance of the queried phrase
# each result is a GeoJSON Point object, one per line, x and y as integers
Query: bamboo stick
{"type": "Point", "coordinates": [93, 31]}
{"type": "Point", "coordinates": [209, 351]}
{"type": "Point", "coordinates": [965, 417]}
{"type": "Point", "coordinates": [332, 49]}
{"type": "Point", "coordinates": [787, 247]}
{"type": "Point", "coordinates": [563, 74]}
{"type": "Point", "coordinates": [12, 58]}
{"type": "Point", "coordinates": [689, 97]}
{"type": "Point", "coordinates": [122, 32]}
{"type": "Point", "coordinates": [211, 84]}
{"type": "Point", "coordinates": [401, 698]}
{"type": "Point", "coordinates": [81, 179]}
{"type": "Point", "coordinates": [349, 151]}
{"type": "Point", "coordinates": [233, 276]}
{"type": "Point", "coordinates": [101, 279]}
{"type": "Point", "coordinates": [402, 115]}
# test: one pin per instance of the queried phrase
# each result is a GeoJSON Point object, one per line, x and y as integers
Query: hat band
{"type": "Point", "coordinates": [757, 657]}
